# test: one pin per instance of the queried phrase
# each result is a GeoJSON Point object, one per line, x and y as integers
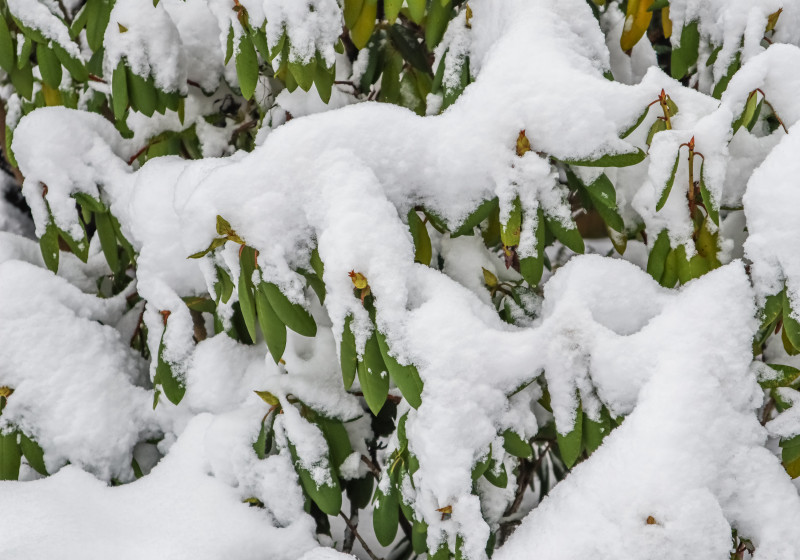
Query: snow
{"type": "Point", "coordinates": [341, 178]}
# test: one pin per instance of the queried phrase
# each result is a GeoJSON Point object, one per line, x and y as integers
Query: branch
{"type": "Point", "coordinates": [353, 529]}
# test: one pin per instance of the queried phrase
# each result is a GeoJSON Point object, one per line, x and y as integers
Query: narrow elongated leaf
{"type": "Point", "coordinates": [422, 241]}
{"type": "Point", "coordinates": [108, 239]}
{"type": "Point", "coordinates": [119, 90]}
{"type": "Point", "coordinates": [293, 315]}
{"type": "Point", "coordinates": [784, 376]}
{"type": "Point", "coordinates": [416, 9]}
{"type": "Point", "coordinates": [436, 23]}
{"type": "Point", "coordinates": [142, 94]}
{"type": "Point", "coordinates": [246, 290]}
{"type": "Point", "coordinates": [516, 446]}
{"type": "Point", "coordinates": [685, 56]}
{"type": "Point", "coordinates": [10, 456]}
{"type": "Point", "coordinates": [33, 453]}
{"type": "Point", "coordinates": [247, 66]}
{"type": "Point", "coordinates": [711, 207]}
{"type": "Point", "coordinates": [570, 445]}
{"type": "Point", "coordinates": [499, 479]}
{"type": "Point", "coordinates": [6, 47]}
{"type": "Point", "coordinates": [385, 516]}
{"type": "Point", "coordinates": [328, 497]}
{"type": "Point", "coordinates": [74, 66]}
{"type": "Point", "coordinates": [373, 375]}
{"type": "Point", "coordinates": [173, 388]}
{"type": "Point", "coordinates": [611, 160]}
{"type": "Point", "coordinates": [273, 328]}
{"type": "Point", "coordinates": [656, 260]}
{"type": "Point", "coordinates": [352, 9]}
{"type": "Point", "coordinates": [48, 243]}
{"type": "Point", "coordinates": [595, 432]}
{"type": "Point", "coordinates": [570, 237]}
{"type": "Point", "coordinates": [406, 378]}
{"type": "Point", "coordinates": [670, 181]}
{"type": "Point", "coordinates": [49, 66]}
{"type": "Point", "coordinates": [790, 455]}
{"type": "Point", "coordinates": [361, 30]}
{"type": "Point", "coordinates": [636, 124]}
{"type": "Point", "coordinates": [339, 447]}
{"type": "Point", "coordinates": [790, 325]}
{"type": "Point", "coordinates": [347, 354]}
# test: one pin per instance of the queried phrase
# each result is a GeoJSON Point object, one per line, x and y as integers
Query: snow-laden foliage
{"type": "Point", "coordinates": [269, 317]}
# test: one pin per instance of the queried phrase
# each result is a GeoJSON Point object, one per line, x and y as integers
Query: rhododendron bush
{"type": "Point", "coordinates": [400, 279]}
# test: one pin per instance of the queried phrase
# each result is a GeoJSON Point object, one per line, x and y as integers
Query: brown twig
{"type": "Point", "coordinates": [353, 529]}
{"type": "Point", "coordinates": [373, 468]}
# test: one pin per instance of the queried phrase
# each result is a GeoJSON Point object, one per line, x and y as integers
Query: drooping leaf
{"type": "Point", "coordinates": [406, 378]}
{"type": "Point", "coordinates": [662, 200]}
{"type": "Point", "coordinates": [347, 353]}
{"type": "Point", "coordinates": [271, 326]}
{"type": "Point", "coordinates": [611, 160]}
{"type": "Point", "coordinates": [422, 241]}
{"type": "Point", "coordinates": [33, 453]}
{"type": "Point", "coordinates": [516, 446]}
{"type": "Point", "coordinates": [657, 259]}
{"type": "Point", "coordinates": [292, 314]}
{"type": "Point", "coordinates": [570, 444]}
{"type": "Point", "coordinates": [10, 456]}
{"type": "Point", "coordinates": [247, 66]}
{"type": "Point", "coordinates": [373, 375]}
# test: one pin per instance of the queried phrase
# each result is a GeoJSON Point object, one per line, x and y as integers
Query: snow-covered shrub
{"type": "Point", "coordinates": [263, 323]}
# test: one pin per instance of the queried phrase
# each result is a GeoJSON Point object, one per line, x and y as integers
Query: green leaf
{"type": "Point", "coordinates": [24, 54]}
{"type": "Point", "coordinates": [359, 491]}
{"type": "Point", "coordinates": [656, 127]}
{"type": "Point", "coordinates": [49, 66]}
{"type": "Point", "coordinates": [570, 237]}
{"type": "Point", "coordinates": [516, 446]}
{"type": "Point", "coordinates": [229, 46]}
{"type": "Point", "coordinates": [22, 80]}
{"type": "Point", "coordinates": [223, 287]}
{"type": "Point", "coordinates": [670, 276]}
{"type": "Point", "coordinates": [790, 455]}
{"type": "Point", "coordinates": [73, 65]}
{"type": "Point", "coordinates": [406, 378]}
{"type": "Point", "coordinates": [656, 260]}
{"type": "Point", "coordinates": [247, 261]}
{"type": "Point", "coordinates": [293, 315]}
{"type": "Point", "coordinates": [595, 432]}
{"type": "Point", "coordinates": [412, 50]}
{"type": "Point", "coordinates": [89, 202]}
{"type": "Point", "coordinates": [98, 14]}
{"type": "Point", "coordinates": [391, 8]}
{"type": "Point", "coordinates": [722, 85]}
{"type": "Point", "coordinates": [361, 30]}
{"type": "Point", "coordinates": [499, 479]}
{"type": "Point", "coordinates": [636, 124]}
{"type": "Point", "coordinates": [6, 47]}
{"type": "Point", "coordinates": [259, 38]}
{"type": "Point", "coordinates": [658, 5]}
{"type": "Point", "coordinates": [247, 66]}
{"type": "Point", "coordinates": [511, 230]}
{"type": "Point", "coordinates": [668, 187]}
{"type": "Point", "coordinates": [352, 9]}
{"type": "Point", "coordinates": [385, 516]}
{"type": "Point", "coordinates": [419, 536]}
{"type": "Point", "coordinates": [685, 56]}
{"type": "Point", "coordinates": [303, 73]}
{"type": "Point", "coordinates": [33, 454]}
{"type": "Point", "coordinates": [748, 113]}
{"type": "Point", "coordinates": [10, 456]}
{"type": "Point", "coordinates": [531, 268]}
{"type": "Point", "coordinates": [260, 445]}
{"type": "Point", "coordinates": [327, 496]}
{"type": "Point", "coordinates": [273, 328]}
{"type": "Point", "coordinates": [604, 197]}
{"type": "Point", "coordinates": [611, 160]}
{"type": "Point", "coordinates": [173, 388]}
{"type": "Point", "coordinates": [790, 325]}
{"type": "Point", "coordinates": [422, 241]}
{"type": "Point", "coordinates": [142, 94]}
{"type": "Point", "coordinates": [347, 353]}
{"type": "Point", "coordinates": [570, 445]}
{"type": "Point", "coordinates": [786, 376]}
{"type": "Point", "coordinates": [416, 10]}
{"type": "Point", "coordinates": [48, 244]}
{"type": "Point", "coordinates": [436, 23]}
{"type": "Point", "coordinates": [323, 79]}
{"type": "Point", "coordinates": [373, 376]}
{"type": "Point", "coordinates": [711, 208]}
{"type": "Point", "coordinates": [108, 239]}
{"type": "Point", "coordinates": [339, 447]}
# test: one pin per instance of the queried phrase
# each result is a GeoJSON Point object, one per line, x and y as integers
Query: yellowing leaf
{"type": "Point", "coordinates": [267, 397]}
{"type": "Point", "coordinates": [523, 144]}
{"type": "Point", "coordinates": [637, 20]}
